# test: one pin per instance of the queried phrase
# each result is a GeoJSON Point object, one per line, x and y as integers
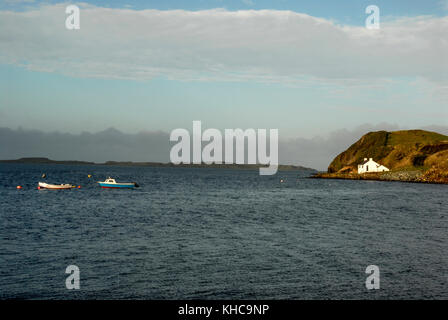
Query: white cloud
{"type": "Point", "coordinates": [261, 45]}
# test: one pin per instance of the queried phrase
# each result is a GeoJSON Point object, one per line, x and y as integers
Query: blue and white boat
{"type": "Point", "coordinates": [111, 183]}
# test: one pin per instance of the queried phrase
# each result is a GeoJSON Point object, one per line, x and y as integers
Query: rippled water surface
{"type": "Point", "coordinates": [218, 233]}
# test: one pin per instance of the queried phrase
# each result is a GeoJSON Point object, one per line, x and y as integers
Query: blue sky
{"type": "Point", "coordinates": [344, 11]}
{"type": "Point", "coordinates": [217, 77]}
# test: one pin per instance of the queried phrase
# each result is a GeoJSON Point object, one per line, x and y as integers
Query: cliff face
{"type": "Point", "coordinates": [398, 150]}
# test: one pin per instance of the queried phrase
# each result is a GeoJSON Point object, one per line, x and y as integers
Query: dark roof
{"type": "Point", "coordinates": [364, 162]}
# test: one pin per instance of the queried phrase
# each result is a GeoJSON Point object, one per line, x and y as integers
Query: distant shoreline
{"type": "Point", "coordinates": [281, 167]}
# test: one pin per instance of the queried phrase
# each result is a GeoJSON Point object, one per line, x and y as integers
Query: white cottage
{"type": "Point", "coordinates": [371, 166]}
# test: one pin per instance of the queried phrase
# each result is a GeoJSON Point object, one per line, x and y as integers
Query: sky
{"type": "Point", "coordinates": [307, 68]}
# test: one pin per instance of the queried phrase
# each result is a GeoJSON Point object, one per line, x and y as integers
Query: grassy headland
{"type": "Point", "coordinates": [411, 155]}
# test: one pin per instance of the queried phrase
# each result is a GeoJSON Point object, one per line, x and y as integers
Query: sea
{"type": "Point", "coordinates": [208, 233]}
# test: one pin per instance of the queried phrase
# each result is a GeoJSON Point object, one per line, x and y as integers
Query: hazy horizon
{"type": "Point", "coordinates": [154, 146]}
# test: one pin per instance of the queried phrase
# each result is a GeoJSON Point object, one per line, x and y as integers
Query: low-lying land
{"type": "Point", "coordinates": [281, 167]}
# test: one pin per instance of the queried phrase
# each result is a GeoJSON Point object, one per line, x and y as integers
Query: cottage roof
{"type": "Point", "coordinates": [364, 162]}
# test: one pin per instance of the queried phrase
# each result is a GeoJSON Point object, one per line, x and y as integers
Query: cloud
{"type": "Point", "coordinates": [209, 45]}
{"type": "Point", "coordinates": [111, 144]}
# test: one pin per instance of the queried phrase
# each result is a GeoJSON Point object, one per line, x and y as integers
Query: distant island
{"type": "Point", "coordinates": [37, 160]}
{"type": "Point", "coordinates": [411, 156]}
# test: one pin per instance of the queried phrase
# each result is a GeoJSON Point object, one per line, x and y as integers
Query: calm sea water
{"type": "Point", "coordinates": [218, 233]}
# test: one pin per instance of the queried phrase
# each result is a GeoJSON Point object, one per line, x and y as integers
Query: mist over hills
{"type": "Point", "coordinates": [154, 146]}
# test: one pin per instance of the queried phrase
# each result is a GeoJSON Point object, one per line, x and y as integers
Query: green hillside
{"type": "Point", "coordinates": [397, 150]}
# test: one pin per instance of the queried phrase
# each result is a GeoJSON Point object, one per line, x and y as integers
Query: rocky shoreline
{"type": "Point", "coordinates": [430, 176]}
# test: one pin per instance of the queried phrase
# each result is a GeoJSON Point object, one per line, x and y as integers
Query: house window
{"type": "Point", "coordinates": [367, 168]}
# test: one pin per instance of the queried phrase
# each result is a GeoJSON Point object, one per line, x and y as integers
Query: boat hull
{"type": "Point", "coordinates": [116, 185]}
{"type": "Point", "coordinates": [44, 185]}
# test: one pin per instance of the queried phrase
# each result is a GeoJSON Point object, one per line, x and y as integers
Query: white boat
{"type": "Point", "coordinates": [43, 185]}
